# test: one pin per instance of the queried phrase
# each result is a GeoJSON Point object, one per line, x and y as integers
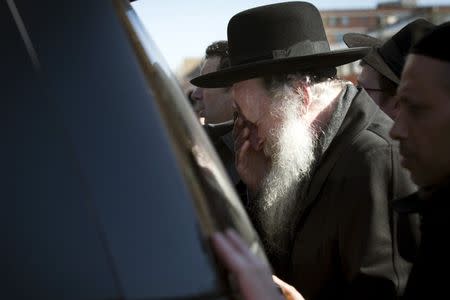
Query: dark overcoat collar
{"type": "Point", "coordinates": [359, 116]}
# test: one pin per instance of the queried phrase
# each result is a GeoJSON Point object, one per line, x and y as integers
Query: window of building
{"type": "Point", "coordinates": [345, 20]}
{"type": "Point", "coordinates": [332, 21]}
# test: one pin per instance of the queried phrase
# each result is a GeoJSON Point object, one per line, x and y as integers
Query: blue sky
{"type": "Point", "coordinates": [183, 28]}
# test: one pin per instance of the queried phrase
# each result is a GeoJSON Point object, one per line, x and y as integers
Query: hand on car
{"type": "Point", "coordinates": [252, 274]}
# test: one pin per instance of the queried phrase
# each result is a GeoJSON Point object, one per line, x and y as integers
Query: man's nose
{"type": "Point", "coordinates": [399, 129]}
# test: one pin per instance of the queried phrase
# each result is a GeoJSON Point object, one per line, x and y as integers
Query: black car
{"type": "Point", "coordinates": [110, 186]}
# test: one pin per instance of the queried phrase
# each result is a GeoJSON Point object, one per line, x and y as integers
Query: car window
{"type": "Point", "coordinates": [214, 196]}
{"type": "Point", "coordinates": [197, 157]}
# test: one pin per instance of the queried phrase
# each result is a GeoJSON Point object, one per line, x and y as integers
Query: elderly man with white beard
{"type": "Point", "coordinates": [316, 156]}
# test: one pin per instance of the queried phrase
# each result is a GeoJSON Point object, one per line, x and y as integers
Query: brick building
{"type": "Point", "coordinates": [382, 22]}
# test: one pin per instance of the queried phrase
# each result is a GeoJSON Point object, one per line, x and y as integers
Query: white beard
{"type": "Point", "coordinates": [292, 151]}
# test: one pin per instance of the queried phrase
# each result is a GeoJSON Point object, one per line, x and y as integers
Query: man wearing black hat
{"type": "Point", "coordinates": [422, 128]}
{"type": "Point", "coordinates": [381, 68]}
{"type": "Point", "coordinates": [315, 154]}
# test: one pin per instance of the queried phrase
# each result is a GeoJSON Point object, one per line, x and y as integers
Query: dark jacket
{"type": "Point", "coordinates": [343, 245]}
{"type": "Point", "coordinates": [221, 136]}
{"type": "Point", "coordinates": [428, 278]}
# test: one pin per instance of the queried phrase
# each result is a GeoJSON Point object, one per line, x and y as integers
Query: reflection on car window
{"type": "Point", "coordinates": [215, 199]}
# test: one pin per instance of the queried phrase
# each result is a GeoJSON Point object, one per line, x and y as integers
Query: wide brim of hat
{"type": "Point", "coordinates": [361, 40]}
{"type": "Point", "coordinates": [228, 76]}
{"type": "Point", "coordinates": [374, 58]}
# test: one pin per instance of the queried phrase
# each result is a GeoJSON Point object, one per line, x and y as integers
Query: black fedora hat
{"type": "Point", "coordinates": [388, 58]}
{"type": "Point", "coordinates": [278, 38]}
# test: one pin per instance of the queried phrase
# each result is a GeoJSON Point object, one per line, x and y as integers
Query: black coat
{"type": "Point", "coordinates": [429, 278]}
{"type": "Point", "coordinates": [343, 245]}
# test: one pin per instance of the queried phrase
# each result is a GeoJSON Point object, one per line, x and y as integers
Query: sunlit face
{"type": "Point", "coordinates": [277, 122]}
{"type": "Point", "coordinates": [214, 104]}
{"type": "Point", "coordinates": [253, 103]}
{"type": "Point", "coordinates": [369, 80]}
{"type": "Point", "coordinates": [422, 125]}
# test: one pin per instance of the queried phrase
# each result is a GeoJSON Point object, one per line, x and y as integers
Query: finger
{"type": "Point", "coordinates": [237, 241]}
{"type": "Point", "coordinates": [227, 253]}
{"type": "Point", "coordinates": [244, 249]}
{"type": "Point", "coordinates": [243, 135]}
{"type": "Point", "coordinates": [238, 126]}
{"type": "Point", "coordinates": [280, 282]}
{"type": "Point", "coordinates": [288, 291]}
{"type": "Point", "coordinates": [242, 153]}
